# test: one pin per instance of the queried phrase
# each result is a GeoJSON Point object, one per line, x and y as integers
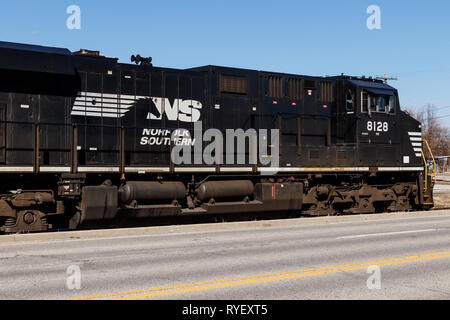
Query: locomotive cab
{"type": "Point", "coordinates": [377, 110]}
{"type": "Point", "coordinates": [367, 118]}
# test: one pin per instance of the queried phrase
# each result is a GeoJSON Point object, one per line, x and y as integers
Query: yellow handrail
{"type": "Point", "coordinates": [426, 166]}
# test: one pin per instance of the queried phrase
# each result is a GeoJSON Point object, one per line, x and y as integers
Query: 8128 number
{"type": "Point", "coordinates": [377, 126]}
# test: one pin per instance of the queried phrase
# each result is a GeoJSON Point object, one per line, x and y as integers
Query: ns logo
{"type": "Point", "coordinates": [95, 104]}
{"type": "Point", "coordinates": [181, 110]}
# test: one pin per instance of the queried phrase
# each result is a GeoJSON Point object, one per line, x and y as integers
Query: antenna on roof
{"type": "Point", "coordinates": [386, 78]}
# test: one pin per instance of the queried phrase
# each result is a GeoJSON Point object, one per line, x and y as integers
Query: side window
{"type": "Point", "coordinates": [391, 108]}
{"type": "Point", "coordinates": [349, 100]}
{"type": "Point", "coordinates": [364, 101]}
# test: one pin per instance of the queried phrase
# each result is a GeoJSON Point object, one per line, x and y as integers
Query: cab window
{"type": "Point", "coordinates": [391, 108]}
{"type": "Point", "coordinates": [372, 103]}
{"type": "Point", "coordinates": [382, 103]}
{"type": "Point", "coordinates": [365, 102]}
{"type": "Point", "coordinates": [349, 100]}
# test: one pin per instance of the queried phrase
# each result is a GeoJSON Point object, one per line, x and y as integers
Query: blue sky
{"type": "Point", "coordinates": [323, 37]}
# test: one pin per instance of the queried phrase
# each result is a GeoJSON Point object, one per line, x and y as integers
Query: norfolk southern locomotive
{"type": "Point", "coordinates": [84, 138]}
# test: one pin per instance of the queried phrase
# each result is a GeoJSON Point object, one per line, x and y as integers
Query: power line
{"type": "Point", "coordinates": [425, 117]}
{"type": "Point", "coordinates": [434, 118]}
{"type": "Point", "coordinates": [442, 108]}
{"type": "Point", "coordinates": [448, 115]}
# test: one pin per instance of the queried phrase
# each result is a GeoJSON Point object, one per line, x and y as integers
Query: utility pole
{"type": "Point", "coordinates": [385, 78]}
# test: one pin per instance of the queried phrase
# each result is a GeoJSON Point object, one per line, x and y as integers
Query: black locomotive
{"type": "Point", "coordinates": [85, 138]}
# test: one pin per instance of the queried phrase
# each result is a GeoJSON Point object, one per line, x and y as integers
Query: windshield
{"type": "Point", "coordinates": [373, 102]}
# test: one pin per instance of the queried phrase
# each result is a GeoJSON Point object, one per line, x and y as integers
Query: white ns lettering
{"type": "Point", "coordinates": [182, 110]}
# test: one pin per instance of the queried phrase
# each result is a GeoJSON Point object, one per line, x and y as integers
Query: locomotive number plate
{"type": "Point", "coordinates": [377, 126]}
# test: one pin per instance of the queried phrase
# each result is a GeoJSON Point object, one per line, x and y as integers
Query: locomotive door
{"type": "Point", "coordinates": [2, 133]}
{"type": "Point", "coordinates": [309, 101]}
{"type": "Point", "coordinates": [348, 121]}
{"type": "Point", "coordinates": [315, 117]}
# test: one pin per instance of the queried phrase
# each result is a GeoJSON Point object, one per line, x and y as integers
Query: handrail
{"type": "Point", "coordinates": [426, 169]}
{"type": "Point", "coordinates": [434, 163]}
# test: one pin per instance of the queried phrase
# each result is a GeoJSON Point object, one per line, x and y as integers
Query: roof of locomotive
{"type": "Point", "coordinates": [33, 48]}
{"type": "Point", "coordinates": [66, 65]}
{"type": "Point", "coordinates": [358, 81]}
{"type": "Point", "coordinates": [26, 57]}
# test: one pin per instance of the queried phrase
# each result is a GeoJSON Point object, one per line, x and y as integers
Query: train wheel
{"type": "Point", "coordinates": [27, 221]}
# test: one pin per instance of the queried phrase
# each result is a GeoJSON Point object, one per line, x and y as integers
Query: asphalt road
{"type": "Point", "coordinates": [388, 256]}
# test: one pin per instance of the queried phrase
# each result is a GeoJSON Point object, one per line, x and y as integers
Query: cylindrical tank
{"type": "Point", "coordinates": [224, 189]}
{"type": "Point", "coordinates": [152, 191]}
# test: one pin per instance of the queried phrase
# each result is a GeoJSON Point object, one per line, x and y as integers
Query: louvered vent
{"type": "Point", "coordinates": [275, 87]}
{"type": "Point", "coordinates": [326, 92]}
{"type": "Point", "coordinates": [295, 91]}
{"type": "Point", "coordinates": [233, 84]}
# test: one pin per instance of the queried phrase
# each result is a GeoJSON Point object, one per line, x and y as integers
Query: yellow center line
{"type": "Point", "coordinates": [212, 284]}
{"type": "Point", "coordinates": [223, 285]}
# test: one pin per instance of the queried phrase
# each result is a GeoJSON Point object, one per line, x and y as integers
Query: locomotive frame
{"type": "Point", "coordinates": [85, 138]}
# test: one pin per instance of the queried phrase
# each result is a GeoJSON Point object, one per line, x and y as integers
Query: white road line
{"type": "Point", "coordinates": [385, 234]}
